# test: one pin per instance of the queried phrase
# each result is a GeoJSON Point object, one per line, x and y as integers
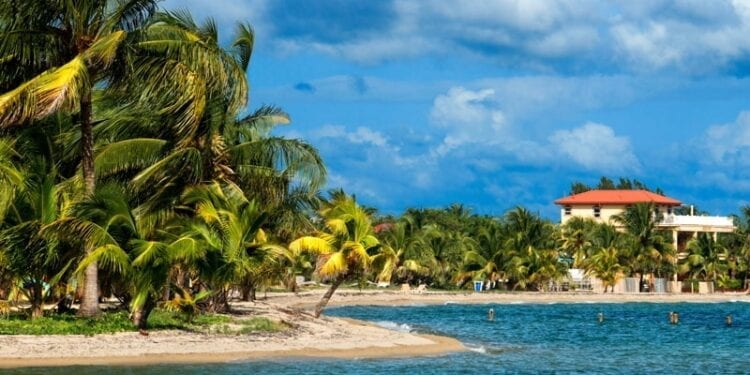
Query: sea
{"type": "Point", "coordinates": [632, 338]}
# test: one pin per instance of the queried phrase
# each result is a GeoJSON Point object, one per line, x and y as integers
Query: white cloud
{"type": "Point", "coordinates": [729, 144]}
{"type": "Point", "coordinates": [469, 117]}
{"type": "Point", "coordinates": [461, 106]}
{"type": "Point", "coordinates": [596, 147]}
{"type": "Point", "coordinates": [691, 35]}
{"type": "Point", "coordinates": [362, 135]}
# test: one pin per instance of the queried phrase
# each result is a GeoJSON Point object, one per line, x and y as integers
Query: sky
{"type": "Point", "coordinates": [493, 104]}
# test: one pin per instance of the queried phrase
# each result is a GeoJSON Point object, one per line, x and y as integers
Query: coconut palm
{"type": "Point", "coordinates": [606, 261]}
{"type": "Point", "coordinates": [222, 145]}
{"type": "Point", "coordinates": [649, 251]}
{"type": "Point", "coordinates": [66, 49]}
{"type": "Point", "coordinates": [125, 245]}
{"type": "Point", "coordinates": [487, 260]}
{"type": "Point", "coordinates": [344, 247]}
{"type": "Point", "coordinates": [37, 262]}
{"type": "Point", "coordinates": [575, 239]}
{"type": "Point", "coordinates": [401, 253]}
{"type": "Point", "coordinates": [446, 250]}
{"type": "Point", "coordinates": [237, 251]}
{"type": "Point", "coordinates": [707, 258]}
{"type": "Point", "coordinates": [63, 51]}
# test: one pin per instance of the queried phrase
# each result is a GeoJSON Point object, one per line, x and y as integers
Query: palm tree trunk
{"type": "Point", "coordinates": [37, 309]}
{"type": "Point", "coordinates": [90, 300]}
{"type": "Point", "coordinates": [248, 291]}
{"type": "Point", "coordinates": [327, 297]}
{"type": "Point", "coordinates": [141, 314]}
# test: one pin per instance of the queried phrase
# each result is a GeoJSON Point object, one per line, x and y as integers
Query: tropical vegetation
{"type": "Point", "coordinates": [135, 174]}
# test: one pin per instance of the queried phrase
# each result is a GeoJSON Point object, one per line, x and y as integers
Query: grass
{"type": "Point", "coordinates": [117, 321]}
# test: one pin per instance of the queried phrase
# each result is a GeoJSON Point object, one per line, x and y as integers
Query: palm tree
{"type": "Point", "coordinates": [446, 250]}
{"type": "Point", "coordinates": [649, 250]}
{"type": "Point", "coordinates": [222, 145]}
{"type": "Point", "coordinates": [344, 247]}
{"type": "Point", "coordinates": [707, 258]}
{"type": "Point", "coordinates": [126, 244]}
{"type": "Point", "coordinates": [400, 254]}
{"type": "Point", "coordinates": [575, 239]}
{"type": "Point", "coordinates": [488, 259]}
{"type": "Point", "coordinates": [228, 227]}
{"type": "Point", "coordinates": [65, 50]}
{"type": "Point", "coordinates": [36, 261]}
{"type": "Point", "coordinates": [606, 261]}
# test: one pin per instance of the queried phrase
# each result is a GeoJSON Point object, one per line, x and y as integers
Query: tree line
{"type": "Point", "coordinates": [133, 169]}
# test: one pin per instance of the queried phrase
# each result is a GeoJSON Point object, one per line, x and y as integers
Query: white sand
{"type": "Point", "coordinates": [306, 337]}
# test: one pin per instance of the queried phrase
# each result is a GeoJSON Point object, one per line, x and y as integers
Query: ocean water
{"type": "Point", "coordinates": [635, 338]}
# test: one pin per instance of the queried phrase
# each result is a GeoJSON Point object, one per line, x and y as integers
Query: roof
{"type": "Point", "coordinates": [617, 197]}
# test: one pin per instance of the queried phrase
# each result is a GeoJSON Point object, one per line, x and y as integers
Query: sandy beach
{"type": "Point", "coordinates": [305, 336]}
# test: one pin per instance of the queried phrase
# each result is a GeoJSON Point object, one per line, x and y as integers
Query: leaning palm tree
{"type": "Point", "coordinates": [344, 247]}
{"type": "Point", "coordinates": [65, 50]}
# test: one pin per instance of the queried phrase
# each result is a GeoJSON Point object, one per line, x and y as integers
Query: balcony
{"type": "Point", "coordinates": [699, 223]}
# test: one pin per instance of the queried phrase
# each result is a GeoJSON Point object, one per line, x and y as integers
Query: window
{"type": "Point", "coordinates": [567, 210]}
{"type": "Point", "coordinates": [597, 211]}
{"type": "Point", "coordinates": [669, 210]}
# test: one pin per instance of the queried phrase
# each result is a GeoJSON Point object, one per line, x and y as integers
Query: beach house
{"type": "Point", "coordinates": [602, 205]}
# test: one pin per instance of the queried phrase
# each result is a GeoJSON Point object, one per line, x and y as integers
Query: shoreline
{"type": "Point", "coordinates": [439, 345]}
{"type": "Point", "coordinates": [307, 337]}
{"type": "Point", "coordinates": [395, 298]}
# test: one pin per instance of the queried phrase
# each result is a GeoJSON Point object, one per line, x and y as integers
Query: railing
{"type": "Point", "coordinates": [718, 221]}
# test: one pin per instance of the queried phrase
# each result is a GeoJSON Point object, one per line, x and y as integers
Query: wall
{"type": "Point", "coordinates": [606, 213]}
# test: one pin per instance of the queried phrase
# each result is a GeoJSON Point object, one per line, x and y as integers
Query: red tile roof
{"type": "Point", "coordinates": [617, 197]}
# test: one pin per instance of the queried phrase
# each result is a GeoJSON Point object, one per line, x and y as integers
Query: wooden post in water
{"type": "Point", "coordinates": [674, 317]}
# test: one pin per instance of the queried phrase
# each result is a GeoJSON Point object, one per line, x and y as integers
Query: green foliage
{"type": "Point", "coordinates": [118, 321]}
{"type": "Point", "coordinates": [605, 183]}
{"type": "Point", "coordinates": [185, 303]}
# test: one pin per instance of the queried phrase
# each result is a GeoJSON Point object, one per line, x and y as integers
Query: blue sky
{"type": "Point", "coordinates": [422, 103]}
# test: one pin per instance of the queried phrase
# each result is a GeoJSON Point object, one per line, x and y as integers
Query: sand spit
{"type": "Point", "coordinates": [305, 336]}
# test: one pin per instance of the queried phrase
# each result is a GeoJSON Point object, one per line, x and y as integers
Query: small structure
{"type": "Point", "coordinates": [478, 286]}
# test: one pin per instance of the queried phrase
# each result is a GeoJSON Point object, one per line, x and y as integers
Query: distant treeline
{"type": "Point", "coordinates": [606, 183]}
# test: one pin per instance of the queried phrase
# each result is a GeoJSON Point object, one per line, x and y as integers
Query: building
{"type": "Point", "coordinates": [602, 205]}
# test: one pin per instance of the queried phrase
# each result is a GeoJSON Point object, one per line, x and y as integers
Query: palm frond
{"type": "Point", "coordinates": [56, 89]}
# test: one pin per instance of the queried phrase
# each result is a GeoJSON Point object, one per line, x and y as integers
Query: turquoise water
{"type": "Point", "coordinates": [529, 338]}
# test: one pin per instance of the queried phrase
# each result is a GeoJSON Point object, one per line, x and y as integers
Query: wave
{"type": "Point", "coordinates": [451, 303]}
{"type": "Point", "coordinates": [489, 349]}
{"type": "Point", "coordinates": [393, 326]}
{"type": "Point", "coordinates": [477, 349]}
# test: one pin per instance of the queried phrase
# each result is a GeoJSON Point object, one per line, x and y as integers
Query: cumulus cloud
{"type": "Point", "coordinates": [469, 116]}
{"type": "Point", "coordinates": [694, 36]}
{"type": "Point", "coordinates": [596, 147]}
{"type": "Point", "coordinates": [362, 135]}
{"type": "Point", "coordinates": [729, 144]}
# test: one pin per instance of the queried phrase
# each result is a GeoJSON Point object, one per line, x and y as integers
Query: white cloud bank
{"type": "Point", "coordinates": [597, 147]}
